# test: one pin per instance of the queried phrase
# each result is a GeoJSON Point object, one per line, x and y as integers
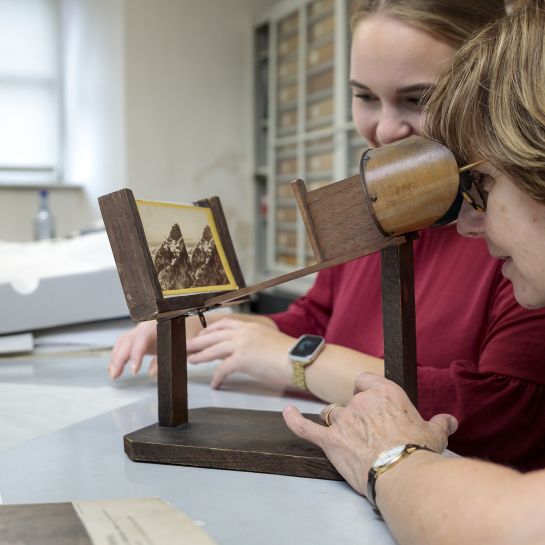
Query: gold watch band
{"type": "Point", "coordinates": [299, 375]}
{"type": "Point", "coordinates": [374, 473]}
{"type": "Point", "coordinates": [302, 358]}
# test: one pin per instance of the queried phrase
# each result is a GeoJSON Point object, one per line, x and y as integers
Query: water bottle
{"type": "Point", "coordinates": [44, 225]}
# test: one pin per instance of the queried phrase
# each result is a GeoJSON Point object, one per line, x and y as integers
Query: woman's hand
{"type": "Point", "coordinates": [252, 348]}
{"type": "Point", "coordinates": [378, 417]}
{"type": "Point", "coordinates": [131, 347]}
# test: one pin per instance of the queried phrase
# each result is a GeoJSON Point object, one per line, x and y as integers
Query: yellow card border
{"type": "Point", "coordinates": [223, 258]}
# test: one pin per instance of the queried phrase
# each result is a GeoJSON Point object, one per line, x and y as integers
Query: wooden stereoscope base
{"type": "Point", "coordinates": [235, 439]}
{"type": "Point", "coordinates": [341, 228]}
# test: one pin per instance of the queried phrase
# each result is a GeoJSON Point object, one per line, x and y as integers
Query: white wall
{"type": "Point", "coordinates": [94, 95]}
{"type": "Point", "coordinates": [94, 128]}
{"type": "Point", "coordinates": [159, 99]}
{"type": "Point", "coordinates": [189, 109]}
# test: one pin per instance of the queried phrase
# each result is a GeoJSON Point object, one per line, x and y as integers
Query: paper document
{"type": "Point", "coordinates": [134, 521]}
{"type": "Point", "coordinates": [98, 335]}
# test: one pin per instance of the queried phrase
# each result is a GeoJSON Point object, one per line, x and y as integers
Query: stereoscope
{"type": "Point", "coordinates": [402, 188]}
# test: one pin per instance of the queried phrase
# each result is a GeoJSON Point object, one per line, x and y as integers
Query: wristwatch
{"type": "Point", "coordinates": [303, 353]}
{"type": "Point", "coordinates": [385, 461]}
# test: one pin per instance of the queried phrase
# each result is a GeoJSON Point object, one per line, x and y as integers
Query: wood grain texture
{"type": "Point", "coordinates": [135, 266]}
{"type": "Point", "coordinates": [172, 372]}
{"type": "Point", "coordinates": [221, 223]}
{"type": "Point", "coordinates": [343, 224]}
{"type": "Point", "coordinates": [399, 318]}
{"type": "Point", "coordinates": [131, 254]}
{"type": "Point", "coordinates": [236, 439]}
{"type": "Point", "coordinates": [411, 183]}
{"type": "Point", "coordinates": [301, 197]}
{"type": "Point", "coordinates": [42, 524]}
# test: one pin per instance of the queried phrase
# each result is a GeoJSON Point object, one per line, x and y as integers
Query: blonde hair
{"type": "Point", "coordinates": [490, 104]}
{"type": "Point", "coordinates": [450, 21]}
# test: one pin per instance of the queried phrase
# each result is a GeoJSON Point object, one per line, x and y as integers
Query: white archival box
{"type": "Point", "coordinates": [58, 282]}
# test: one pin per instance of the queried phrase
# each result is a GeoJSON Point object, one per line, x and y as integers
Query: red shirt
{"type": "Point", "coordinates": [481, 356]}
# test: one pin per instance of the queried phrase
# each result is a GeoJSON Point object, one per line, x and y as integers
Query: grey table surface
{"type": "Point", "coordinates": [84, 460]}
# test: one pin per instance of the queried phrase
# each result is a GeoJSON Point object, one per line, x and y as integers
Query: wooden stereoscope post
{"type": "Point", "coordinates": [401, 188]}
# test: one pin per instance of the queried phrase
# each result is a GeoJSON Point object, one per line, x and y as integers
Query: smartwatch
{"type": "Point", "coordinates": [385, 461]}
{"type": "Point", "coordinates": [303, 353]}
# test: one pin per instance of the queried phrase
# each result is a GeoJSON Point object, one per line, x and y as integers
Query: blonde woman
{"type": "Point", "coordinates": [490, 105]}
{"type": "Point", "coordinates": [484, 367]}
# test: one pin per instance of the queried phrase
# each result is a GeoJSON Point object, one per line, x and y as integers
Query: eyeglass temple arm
{"type": "Point", "coordinates": [471, 165]}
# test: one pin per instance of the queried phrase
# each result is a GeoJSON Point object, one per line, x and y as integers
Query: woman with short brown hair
{"type": "Point", "coordinates": [489, 106]}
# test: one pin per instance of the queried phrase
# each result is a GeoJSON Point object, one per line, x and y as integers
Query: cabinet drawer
{"type": "Point", "coordinates": [319, 6]}
{"type": "Point", "coordinates": [287, 69]}
{"type": "Point", "coordinates": [321, 54]}
{"type": "Point", "coordinates": [286, 214]}
{"type": "Point", "coordinates": [288, 25]}
{"type": "Point", "coordinates": [286, 239]}
{"type": "Point", "coordinates": [286, 167]}
{"type": "Point", "coordinates": [319, 162]}
{"type": "Point", "coordinates": [287, 94]}
{"type": "Point", "coordinates": [288, 46]}
{"type": "Point", "coordinates": [321, 28]}
{"type": "Point", "coordinates": [320, 110]}
{"type": "Point", "coordinates": [287, 120]}
{"type": "Point", "coordinates": [320, 82]}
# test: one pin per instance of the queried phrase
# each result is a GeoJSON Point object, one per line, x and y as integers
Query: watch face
{"type": "Point", "coordinates": [388, 456]}
{"type": "Point", "coordinates": [306, 346]}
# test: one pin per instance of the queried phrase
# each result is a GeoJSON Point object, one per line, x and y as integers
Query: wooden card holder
{"type": "Point", "coordinates": [343, 222]}
{"type": "Point", "coordinates": [211, 436]}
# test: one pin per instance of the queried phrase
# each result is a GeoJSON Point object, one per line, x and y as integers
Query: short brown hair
{"type": "Point", "coordinates": [450, 21]}
{"type": "Point", "coordinates": [490, 104]}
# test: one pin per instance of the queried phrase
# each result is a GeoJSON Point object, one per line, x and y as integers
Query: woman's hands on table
{"type": "Point", "coordinates": [257, 349]}
{"type": "Point", "coordinates": [378, 417]}
{"type": "Point", "coordinates": [247, 343]}
{"type": "Point", "coordinates": [131, 347]}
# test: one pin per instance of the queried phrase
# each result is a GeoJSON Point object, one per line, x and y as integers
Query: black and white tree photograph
{"type": "Point", "coordinates": [185, 248]}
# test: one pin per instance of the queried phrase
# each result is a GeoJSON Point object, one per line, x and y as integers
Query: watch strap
{"type": "Point", "coordinates": [374, 472]}
{"type": "Point", "coordinates": [299, 363]}
{"type": "Point", "coordinates": [299, 375]}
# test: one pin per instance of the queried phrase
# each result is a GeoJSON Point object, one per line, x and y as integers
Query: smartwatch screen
{"type": "Point", "coordinates": [307, 345]}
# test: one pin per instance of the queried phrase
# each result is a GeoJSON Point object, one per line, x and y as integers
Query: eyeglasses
{"type": "Point", "coordinates": [471, 187]}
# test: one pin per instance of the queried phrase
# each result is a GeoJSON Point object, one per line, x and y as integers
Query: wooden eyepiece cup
{"type": "Point", "coordinates": [409, 184]}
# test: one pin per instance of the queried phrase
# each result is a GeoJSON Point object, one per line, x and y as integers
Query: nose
{"type": "Point", "coordinates": [470, 222]}
{"type": "Point", "coordinates": [392, 127]}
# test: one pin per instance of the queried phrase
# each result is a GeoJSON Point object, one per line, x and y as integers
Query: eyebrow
{"type": "Point", "coordinates": [417, 87]}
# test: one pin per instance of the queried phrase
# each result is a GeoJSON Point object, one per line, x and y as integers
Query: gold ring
{"type": "Point", "coordinates": [326, 413]}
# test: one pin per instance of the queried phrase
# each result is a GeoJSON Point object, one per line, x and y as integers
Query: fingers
{"type": "Point", "coordinates": [365, 381]}
{"type": "Point", "coordinates": [153, 369]}
{"type": "Point", "coordinates": [120, 355]}
{"type": "Point", "coordinates": [131, 347]}
{"type": "Point", "coordinates": [219, 350]}
{"type": "Point", "coordinates": [329, 413]}
{"type": "Point", "coordinates": [224, 323]}
{"type": "Point", "coordinates": [138, 351]}
{"type": "Point", "coordinates": [202, 342]}
{"type": "Point", "coordinates": [302, 427]}
{"type": "Point", "coordinates": [223, 370]}
{"type": "Point", "coordinates": [446, 423]}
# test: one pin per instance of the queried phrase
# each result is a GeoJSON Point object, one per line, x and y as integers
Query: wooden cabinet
{"type": "Point", "coordinates": [307, 103]}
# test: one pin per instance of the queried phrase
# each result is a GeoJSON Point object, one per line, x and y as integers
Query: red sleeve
{"type": "Point", "coordinates": [501, 418]}
{"type": "Point", "coordinates": [499, 400]}
{"type": "Point", "coordinates": [309, 314]}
